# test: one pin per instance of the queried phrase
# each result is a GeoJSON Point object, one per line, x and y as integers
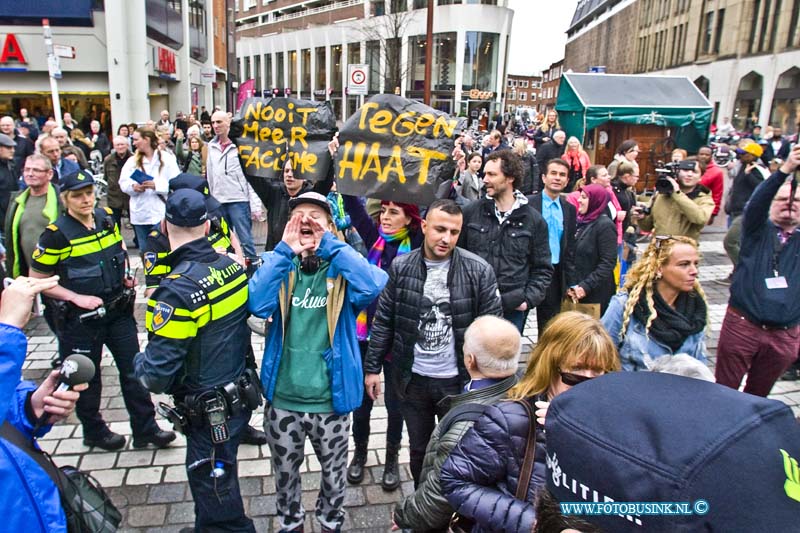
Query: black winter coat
{"type": "Point", "coordinates": [518, 250]}
{"type": "Point", "coordinates": [480, 477]}
{"type": "Point", "coordinates": [595, 259]}
{"type": "Point", "coordinates": [9, 178]}
{"type": "Point", "coordinates": [395, 326]}
{"type": "Point", "coordinates": [531, 173]}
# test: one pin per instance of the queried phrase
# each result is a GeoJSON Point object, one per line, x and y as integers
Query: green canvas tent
{"type": "Point", "coordinates": [586, 101]}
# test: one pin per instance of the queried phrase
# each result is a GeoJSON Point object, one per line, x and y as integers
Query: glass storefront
{"type": "Point", "coordinates": [786, 102]}
{"type": "Point", "coordinates": [336, 68]}
{"type": "Point", "coordinates": [279, 71]}
{"type": "Point", "coordinates": [83, 107]}
{"type": "Point", "coordinates": [292, 81]}
{"type": "Point", "coordinates": [444, 62]}
{"type": "Point", "coordinates": [373, 59]}
{"type": "Point", "coordinates": [268, 85]}
{"type": "Point", "coordinates": [305, 73]}
{"type": "Point", "coordinates": [321, 84]}
{"type": "Point", "coordinates": [480, 61]}
{"type": "Point", "coordinates": [748, 101]}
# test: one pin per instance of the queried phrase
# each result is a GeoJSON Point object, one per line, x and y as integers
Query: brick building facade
{"type": "Point", "coordinates": [523, 92]}
{"type": "Point", "coordinates": [744, 55]}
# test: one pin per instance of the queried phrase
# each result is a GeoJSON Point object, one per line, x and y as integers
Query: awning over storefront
{"type": "Point", "coordinates": [586, 101]}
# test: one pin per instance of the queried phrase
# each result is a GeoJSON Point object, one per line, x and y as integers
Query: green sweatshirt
{"type": "Point", "coordinates": [303, 383]}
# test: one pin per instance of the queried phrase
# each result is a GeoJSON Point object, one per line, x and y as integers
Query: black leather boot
{"type": "Point", "coordinates": [391, 470]}
{"type": "Point", "coordinates": [355, 472]}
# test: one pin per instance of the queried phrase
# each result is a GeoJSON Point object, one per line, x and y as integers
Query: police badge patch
{"type": "Point", "coordinates": [161, 315]}
{"type": "Point", "coordinates": [37, 253]}
{"type": "Point", "coordinates": [149, 261]}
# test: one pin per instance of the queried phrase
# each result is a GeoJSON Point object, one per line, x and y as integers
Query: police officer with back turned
{"type": "Point", "coordinates": [157, 248]}
{"type": "Point", "coordinates": [92, 306]}
{"type": "Point", "coordinates": [197, 353]}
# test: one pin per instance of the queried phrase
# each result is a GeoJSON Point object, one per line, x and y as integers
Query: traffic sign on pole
{"type": "Point", "coordinates": [357, 79]}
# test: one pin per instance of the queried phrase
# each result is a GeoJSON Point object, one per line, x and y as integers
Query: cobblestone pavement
{"type": "Point", "coordinates": [149, 486]}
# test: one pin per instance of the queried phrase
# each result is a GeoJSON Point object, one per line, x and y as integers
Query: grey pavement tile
{"type": "Point", "coordinates": [170, 456]}
{"type": "Point", "coordinates": [376, 494]}
{"type": "Point", "coordinates": [263, 506]}
{"type": "Point", "coordinates": [250, 486]}
{"type": "Point", "coordinates": [181, 513]}
{"type": "Point", "coordinates": [175, 474]}
{"type": "Point", "coordinates": [310, 481]}
{"type": "Point", "coordinates": [129, 495]}
{"type": "Point", "coordinates": [144, 476]}
{"type": "Point", "coordinates": [98, 460]}
{"type": "Point", "coordinates": [373, 516]}
{"type": "Point", "coordinates": [254, 467]}
{"type": "Point", "coordinates": [146, 515]}
{"type": "Point", "coordinates": [354, 496]}
{"type": "Point", "coordinates": [167, 493]}
{"type": "Point", "coordinates": [109, 478]}
{"type": "Point", "coordinates": [135, 458]}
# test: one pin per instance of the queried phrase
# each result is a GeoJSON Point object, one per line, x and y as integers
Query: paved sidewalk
{"type": "Point", "coordinates": [149, 486]}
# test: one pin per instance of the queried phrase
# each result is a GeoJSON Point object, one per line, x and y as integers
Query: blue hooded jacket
{"type": "Point", "coordinates": [352, 285]}
{"type": "Point", "coordinates": [29, 501]}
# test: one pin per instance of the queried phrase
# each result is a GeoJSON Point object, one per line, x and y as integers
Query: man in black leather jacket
{"type": "Point", "coordinates": [433, 294]}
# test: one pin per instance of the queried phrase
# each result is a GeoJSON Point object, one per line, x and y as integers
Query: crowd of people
{"type": "Point", "coordinates": [426, 304]}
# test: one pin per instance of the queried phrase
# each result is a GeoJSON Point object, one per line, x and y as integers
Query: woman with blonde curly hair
{"type": "Point", "coordinates": [662, 308]}
{"type": "Point", "coordinates": [481, 475]}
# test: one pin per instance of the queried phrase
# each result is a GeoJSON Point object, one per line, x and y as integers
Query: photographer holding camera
{"type": "Point", "coordinates": [681, 205]}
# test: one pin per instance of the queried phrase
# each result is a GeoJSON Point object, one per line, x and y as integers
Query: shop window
{"type": "Point", "coordinates": [786, 101]}
{"type": "Point", "coordinates": [748, 99]}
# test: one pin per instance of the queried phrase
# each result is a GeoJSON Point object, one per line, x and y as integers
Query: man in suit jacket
{"type": "Point", "coordinates": [560, 216]}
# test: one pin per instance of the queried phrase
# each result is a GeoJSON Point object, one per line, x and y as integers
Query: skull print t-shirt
{"type": "Point", "coordinates": [435, 350]}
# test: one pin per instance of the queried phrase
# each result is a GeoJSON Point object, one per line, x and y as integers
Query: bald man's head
{"type": "Point", "coordinates": [7, 126]}
{"type": "Point", "coordinates": [492, 347]}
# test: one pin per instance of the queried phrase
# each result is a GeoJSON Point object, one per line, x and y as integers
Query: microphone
{"type": "Point", "coordinates": [75, 369]}
{"type": "Point", "coordinates": [100, 312]}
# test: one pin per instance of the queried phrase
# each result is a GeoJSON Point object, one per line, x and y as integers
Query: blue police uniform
{"type": "Point", "coordinates": [92, 261]}
{"type": "Point", "coordinates": [198, 344]}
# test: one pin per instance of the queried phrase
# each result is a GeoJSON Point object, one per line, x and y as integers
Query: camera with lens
{"type": "Point", "coordinates": [664, 171]}
{"type": "Point", "coordinates": [670, 170]}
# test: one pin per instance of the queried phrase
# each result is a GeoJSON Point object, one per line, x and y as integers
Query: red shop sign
{"type": "Point", "coordinates": [166, 61]}
{"type": "Point", "coordinates": [12, 50]}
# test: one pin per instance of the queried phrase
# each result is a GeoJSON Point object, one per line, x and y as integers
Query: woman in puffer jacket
{"type": "Point", "coordinates": [480, 477]}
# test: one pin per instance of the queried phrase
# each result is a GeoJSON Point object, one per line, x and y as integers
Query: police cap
{"type": "Point", "coordinates": [75, 181]}
{"type": "Point", "coordinates": [188, 181]}
{"type": "Point", "coordinates": [186, 208]}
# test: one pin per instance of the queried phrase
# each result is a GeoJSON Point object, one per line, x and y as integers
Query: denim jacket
{"type": "Point", "coordinates": [636, 343]}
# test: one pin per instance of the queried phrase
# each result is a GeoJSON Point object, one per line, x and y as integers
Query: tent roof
{"type": "Point", "coordinates": [619, 90]}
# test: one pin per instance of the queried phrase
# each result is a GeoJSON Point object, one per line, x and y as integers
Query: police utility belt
{"type": "Point", "coordinates": [215, 406]}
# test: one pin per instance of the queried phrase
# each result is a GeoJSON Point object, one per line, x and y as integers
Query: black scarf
{"type": "Point", "coordinates": [673, 325]}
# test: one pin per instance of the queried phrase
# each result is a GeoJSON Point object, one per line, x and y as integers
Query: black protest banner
{"type": "Point", "coordinates": [396, 149]}
{"type": "Point", "coordinates": [270, 129]}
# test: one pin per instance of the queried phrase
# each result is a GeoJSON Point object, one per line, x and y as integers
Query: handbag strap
{"type": "Point", "coordinates": [15, 437]}
{"type": "Point", "coordinates": [530, 451]}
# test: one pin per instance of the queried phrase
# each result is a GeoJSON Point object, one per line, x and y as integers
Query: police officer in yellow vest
{"type": "Point", "coordinates": [197, 353]}
{"type": "Point", "coordinates": [219, 235]}
{"type": "Point", "coordinates": [93, 306]}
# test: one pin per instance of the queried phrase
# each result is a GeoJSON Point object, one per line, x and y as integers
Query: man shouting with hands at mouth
{"type": "Point", "coordinates": [313, 285]}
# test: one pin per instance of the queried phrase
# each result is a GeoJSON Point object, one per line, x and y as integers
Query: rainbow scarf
{"type": "Point", "coordinates": [374, 258]}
